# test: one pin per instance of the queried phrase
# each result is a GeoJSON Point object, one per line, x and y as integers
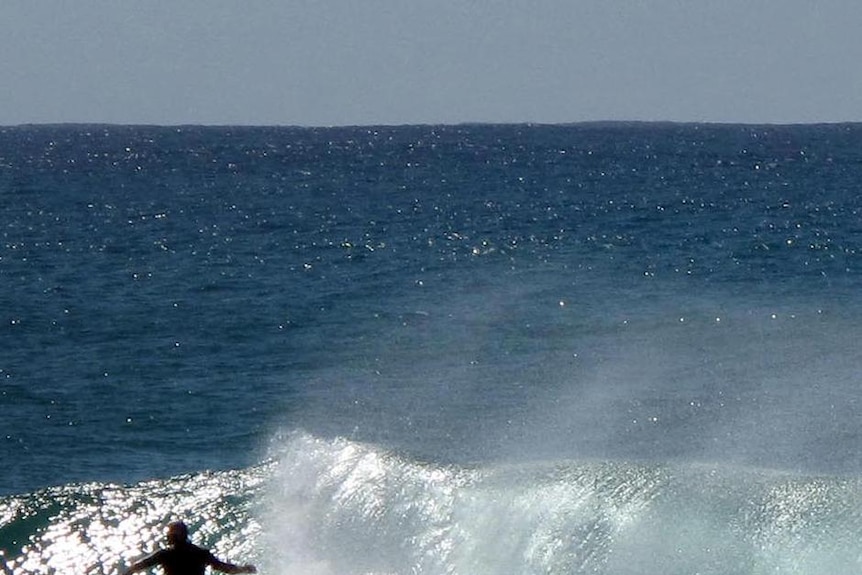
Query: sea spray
{"type": "Point", "coordinates": [338, 507]}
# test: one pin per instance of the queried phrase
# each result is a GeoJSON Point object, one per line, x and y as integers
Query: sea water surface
{"type": "Point", "coordinates": [476, 349]}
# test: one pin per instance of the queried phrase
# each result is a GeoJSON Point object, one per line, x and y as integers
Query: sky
{"type": "Point", "coordinates": [372, 62]}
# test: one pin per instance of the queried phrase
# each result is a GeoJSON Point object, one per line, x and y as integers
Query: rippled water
{"type": "Point", "coordinates": [432, 349]}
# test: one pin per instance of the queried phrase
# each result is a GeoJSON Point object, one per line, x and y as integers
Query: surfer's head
{"type": "Point", "coordinates": [177, 533]}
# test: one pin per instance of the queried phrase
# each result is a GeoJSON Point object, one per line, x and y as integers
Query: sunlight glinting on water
{"type": "Point", "coordinates": [97, 529]}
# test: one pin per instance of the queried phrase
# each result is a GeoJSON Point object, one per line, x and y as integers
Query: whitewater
{"type": "Point", "coordinates": [343, 507]}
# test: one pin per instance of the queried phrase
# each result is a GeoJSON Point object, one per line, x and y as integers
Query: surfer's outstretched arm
{"type": "Point", "coordinates": [142, 565]}
{"type": "Point", "coordinates": [225, 567]}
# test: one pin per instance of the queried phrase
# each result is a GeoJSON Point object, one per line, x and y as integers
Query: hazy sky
{"type": "Point", "coordinates": [347, 62]}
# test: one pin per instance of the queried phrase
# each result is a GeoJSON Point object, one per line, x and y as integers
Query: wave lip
{"type": "Point", "coordinates": [338, 506]}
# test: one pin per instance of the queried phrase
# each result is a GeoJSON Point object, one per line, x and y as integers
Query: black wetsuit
{"type": "Point", "coordinates": [182, 559]}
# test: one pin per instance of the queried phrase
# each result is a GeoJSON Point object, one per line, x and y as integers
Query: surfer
{"type": "Point", "coordinates": [181, 557]}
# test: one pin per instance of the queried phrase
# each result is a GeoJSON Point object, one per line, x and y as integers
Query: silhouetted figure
{"type": "Point", "coordinates": [181, 557]}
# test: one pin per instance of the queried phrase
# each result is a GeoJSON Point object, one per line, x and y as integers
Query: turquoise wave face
{"type": "Point", "coordinates": [98, 528]}
{"type": "Point", "coordinates": [338, 507]}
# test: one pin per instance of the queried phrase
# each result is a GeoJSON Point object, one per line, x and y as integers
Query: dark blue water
{"type": "Point", "coordinates": [394, 338]}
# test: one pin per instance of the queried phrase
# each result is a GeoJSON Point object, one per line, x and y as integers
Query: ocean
{"type": "Point", "coordinates": [610, 348]}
